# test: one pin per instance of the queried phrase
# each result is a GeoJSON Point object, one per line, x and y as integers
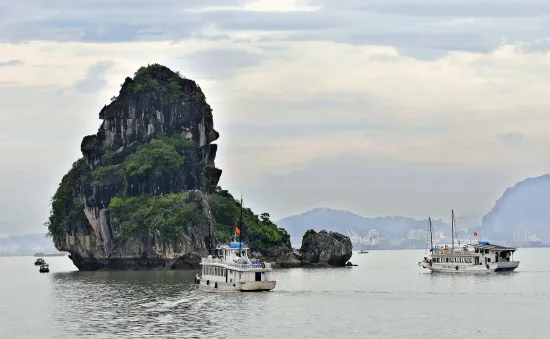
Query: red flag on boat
{"type": "Point", "coordinates": [475, 234]}
{"type": "Point", "coordinates": [237, 230]}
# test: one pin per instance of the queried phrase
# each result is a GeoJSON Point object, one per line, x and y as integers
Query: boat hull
{"type": "Point", "coordinates": [458, 268]}
{"type": "Point", "coordinates": [247, 286]}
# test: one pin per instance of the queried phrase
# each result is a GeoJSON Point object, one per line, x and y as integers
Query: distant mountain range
{"type": "Point", "coordinates": [523, 211]}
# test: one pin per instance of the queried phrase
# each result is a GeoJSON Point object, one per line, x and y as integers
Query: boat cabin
{"type": "Point", "coordinates": [481, 253]}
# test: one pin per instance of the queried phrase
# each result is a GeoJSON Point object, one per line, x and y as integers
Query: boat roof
{"type": "Point", "coordinates": [234, 245]}
{"type": "Point", "coordinates": [487, 246]}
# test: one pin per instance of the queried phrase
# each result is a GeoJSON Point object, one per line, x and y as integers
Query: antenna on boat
{"type": "Point", "coordinates": [452, 231]}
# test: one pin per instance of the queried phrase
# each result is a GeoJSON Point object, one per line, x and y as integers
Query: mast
{"type": "Point", "coordinates": [452, 231]}
{"type": "Point", "coordinates": [241, 225]}
{"type": "Point", "coordinates": [431, 234]}
{"type": "Point", "coordinates": [209, 238]}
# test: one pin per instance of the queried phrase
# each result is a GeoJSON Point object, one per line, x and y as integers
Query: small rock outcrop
{"type": "Point", "coordinates": [325, 249]}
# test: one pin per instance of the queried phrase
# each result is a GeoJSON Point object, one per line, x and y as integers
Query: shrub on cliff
{"type": "Point", "coordinates": [157, 160]}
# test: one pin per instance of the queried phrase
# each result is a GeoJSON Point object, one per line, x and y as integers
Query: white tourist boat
{"type": "Point", "coordinates": [232, 269]}
{"type": "Point", "coordinates": [475, 257]}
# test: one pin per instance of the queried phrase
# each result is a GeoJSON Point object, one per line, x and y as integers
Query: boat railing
{"type": "Point", "coordinates": [257, 263]}
{"type": "Point", "coordinates": [447, 251]}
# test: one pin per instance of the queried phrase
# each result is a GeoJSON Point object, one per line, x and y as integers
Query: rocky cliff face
{"type": "Point", "coordinates": [155, 139]}
{"type": "Point", "coordinates": [325, 249]}
{"type": "Point", "coordinates": [93, 245]}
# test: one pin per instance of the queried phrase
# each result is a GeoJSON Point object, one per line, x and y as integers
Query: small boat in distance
{"type": "Point", "coordinates": [59, 254]}
{"type": "Point", "coordinates": [363, 251]}
{"type": "Point", "coordinates": [45, 268]}
{"type": "Point", "coordinates": [233, 270]}
{"type": "Point", "coordinates": [476, 257]}
{"type": "Point", "coordinates": [39, 261]}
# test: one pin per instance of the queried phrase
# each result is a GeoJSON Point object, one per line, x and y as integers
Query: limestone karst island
{"type": "Point", "coordinates": [145, 192]}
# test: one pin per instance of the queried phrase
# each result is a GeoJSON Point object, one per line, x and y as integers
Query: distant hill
{"type": "Point", "coordinates": [341, 221]}
{"type": "Point", "coordinates": [525, 207]}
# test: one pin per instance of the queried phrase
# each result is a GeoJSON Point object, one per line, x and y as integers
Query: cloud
{"type": "Point", "coordinates": [95, 78]}
{"type": "Point", "coordinates": [221, 62]}
{"type": "Point", "coordinates": [424, 30]}
{"type": "Point", "coordinates": [511, 138]}
{"type": "Point", "coordinates": [332, 99]}
{"type": "Point", "coordinates": [443, 8]}
{"type": "Point", "coordinates": [11, 63]}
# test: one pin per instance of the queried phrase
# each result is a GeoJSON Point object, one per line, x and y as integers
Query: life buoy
{"type": "Point", "coordinates": [456, 267]}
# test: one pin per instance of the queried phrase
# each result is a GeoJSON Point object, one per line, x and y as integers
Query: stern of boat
{"type": "Point", "coordinates": [506, 266]}
{"type": "Point", "coordinates": [257, 286]}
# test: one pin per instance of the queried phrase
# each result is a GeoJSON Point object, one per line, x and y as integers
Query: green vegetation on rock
{"type": "Point", "coordinates": [308, 234]}
{"type": "Point", "coordinates": [154, 160]}
{"type": "Point", "coordinates": [157, 160]}
{"type": "Point", "coordinates": [261, 233]}
{"type": "Point", "coordinates": [156, 77]}
{"type": "Point", "coordinates": [103, 172]}
{"type": "Point", "coordinates": [66, 208]}
{"type": "Point", "coordinates": [167, 214]}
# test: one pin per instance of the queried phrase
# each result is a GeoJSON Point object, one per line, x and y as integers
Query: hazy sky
{"type": "Point", "coordinates": [381, 107]}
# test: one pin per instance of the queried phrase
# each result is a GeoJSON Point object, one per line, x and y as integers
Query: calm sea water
{"type": "Point", "coordinates": [386, 296]}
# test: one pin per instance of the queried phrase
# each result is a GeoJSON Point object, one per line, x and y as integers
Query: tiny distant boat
{"type": "Point", "coordinates": [41, 254]}
{"type": "Point", "coordinates": [45, 268]}
{"type": "Point", "coordinates": [477, 257]}
{"type": "Point", "coordinates": [232, 270]}
{"type": "Point", "coordinates": [363, 251]}
{"type": "Point", "coordinates": [39, 261]}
